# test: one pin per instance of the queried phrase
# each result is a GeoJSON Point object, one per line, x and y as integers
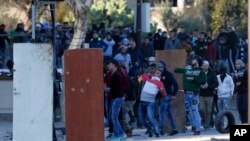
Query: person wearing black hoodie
{"type": "Point", "coordinates": [2, 44]}
{"type": "Point", "coordinates": [171, 87]}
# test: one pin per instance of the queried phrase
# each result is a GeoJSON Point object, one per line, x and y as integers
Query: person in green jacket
{"type": "Point", "coordinates": [193, 78]}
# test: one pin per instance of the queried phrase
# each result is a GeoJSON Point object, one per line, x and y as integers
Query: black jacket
{"type": "Point", "coordinates": [169, 81]}
{"type": "Point", "coordinates": [242, 88]}
{"type": "Point", "coordinates": [116, 85]}
{"type": "Point", "coordinates": [212, 84]}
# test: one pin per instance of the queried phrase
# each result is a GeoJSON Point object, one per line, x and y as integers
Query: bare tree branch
{"type": "Point", "coordinates": [80, 9]}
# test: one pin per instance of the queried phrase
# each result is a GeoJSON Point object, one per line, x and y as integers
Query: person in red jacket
{"type": "Point", "coordinates": [117, 99]}
{"type": "Point", "coordinates": [211, 51]}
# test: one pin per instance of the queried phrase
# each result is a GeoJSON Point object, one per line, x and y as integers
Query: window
{"type": "Point", "coordinates": [173, 3]}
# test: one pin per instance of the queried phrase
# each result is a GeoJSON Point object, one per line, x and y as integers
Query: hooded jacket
{"type": "Point", "coordinates": [170, 83]}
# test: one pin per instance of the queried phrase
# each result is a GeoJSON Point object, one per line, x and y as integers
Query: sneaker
{"type": "Point", "coordinates": [162, 133]}
{"type": "Point", "coordinates": [196, 133]}
{"type": "Point", "coordinates": [132, 125]}
{"type": "Point", "coordinates": [157, 135]}
{"type": "Point", "coordinates": [110, 135]}
{"type": "Point", "coordinates": [123, 136]}
{"type": "Point", "coordinates": [115, 138]}
{"type": "Point", "coordinates": [129, 132]}
{"type": "Point", "coordinates": [150, 134]}
{"type": "Point", "coordinates": [174, 132]}
{"type": "Point", "coordinates": [147, 132]}
{"type": "Point", "coordinates": [206, 128]}
{"type": "Point", "coordinates": [193, 129]}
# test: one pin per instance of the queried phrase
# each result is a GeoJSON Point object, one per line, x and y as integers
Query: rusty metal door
{"type": "Point", "coordinates": [84, 95]}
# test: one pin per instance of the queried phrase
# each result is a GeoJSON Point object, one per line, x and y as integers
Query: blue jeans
{"type": "Point", "coordinates": [116, 107]}
{"type": "Point", "coordinates": [191, 100]}
{"type": "Point", "coordinates": [223, 104]}
{"type": "Point", "coordinates": [146, 109]}
{"type": "Point", "coordinates": [165, 109]}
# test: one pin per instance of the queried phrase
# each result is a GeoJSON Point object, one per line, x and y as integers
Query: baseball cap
{"type": "Point", "coordinates": [151, 59]}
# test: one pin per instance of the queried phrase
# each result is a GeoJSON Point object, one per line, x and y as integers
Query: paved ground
{"type": "Point", "coordinates": [210, 135]}
{"type": "Point", "coordinates": [5, 131]}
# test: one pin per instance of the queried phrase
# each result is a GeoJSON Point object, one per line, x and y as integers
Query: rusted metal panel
{"type": "Point", "coordinates": [84, 95]}
{"type": "Point", "coordinates": [173, 59]}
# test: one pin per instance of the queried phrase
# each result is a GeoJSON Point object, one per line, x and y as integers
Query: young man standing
{"type": "Point", "coordinates": [116, 100]}
{"type": "Point", "coordinates": [171, 86]}
{"type": "Point", "coordinates": [193, 78]}
{"type": "Point", "coordinates": [207, 95]}
{"type": "Point", "coordinates": [225, 89]}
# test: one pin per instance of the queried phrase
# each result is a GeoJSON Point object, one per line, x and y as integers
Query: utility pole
{"type": "Point", "coordinates": [138, 23]}
{"type": "Point", "coordinates": [33, 19]}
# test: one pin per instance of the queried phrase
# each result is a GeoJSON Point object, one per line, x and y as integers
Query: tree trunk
{"type": "Point", "coordinates": [80, 9]}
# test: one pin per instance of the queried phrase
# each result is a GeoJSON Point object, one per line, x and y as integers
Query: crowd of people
{"type": "Point", "coordinates": [138, 90]}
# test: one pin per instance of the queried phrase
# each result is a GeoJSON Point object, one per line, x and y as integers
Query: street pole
{"type": "Point", "coordinates": [52, 10]}
{"type": "Point", "coordinates": [138, 23]}
{"type": "Point", "coordinates": [33, 37]}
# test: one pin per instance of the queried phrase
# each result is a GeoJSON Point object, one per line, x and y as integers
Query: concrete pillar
{"type": "Point", "coordinates": [181, 4]}
{"type": "Point", "coordinates": [145, 17]}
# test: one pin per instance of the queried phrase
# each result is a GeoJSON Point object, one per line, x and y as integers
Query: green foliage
{"type": "Point", "coordinates": [210, 15]}
{"type": "Point", "coordinates": [218, 15]}
{"type": "Point", "coordinates": [9, 21]}
{"type": "Point", "coordinates": [11, 18]}
{"type": "Point", "coordinates": [64, 14]}
{"type": "Point", "coordinates": [111, 12]}
{"type": "Point", "coordinates": [229, 12]}
{"type": "Point", "coordinates": [171, 20]}
{"type": "Point", "coordinates": [153, 27]}
{"type": "Point", "coordinates": [188, 21]}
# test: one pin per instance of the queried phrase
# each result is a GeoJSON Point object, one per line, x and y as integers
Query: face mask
{"type": "Point", "coordinates": [223, 72]}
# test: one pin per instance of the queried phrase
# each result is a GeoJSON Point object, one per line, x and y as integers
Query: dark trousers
{"type": "Point", "coordinates": [242, 106]}
{"type": "Point", "coordinates": [214, 110]}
